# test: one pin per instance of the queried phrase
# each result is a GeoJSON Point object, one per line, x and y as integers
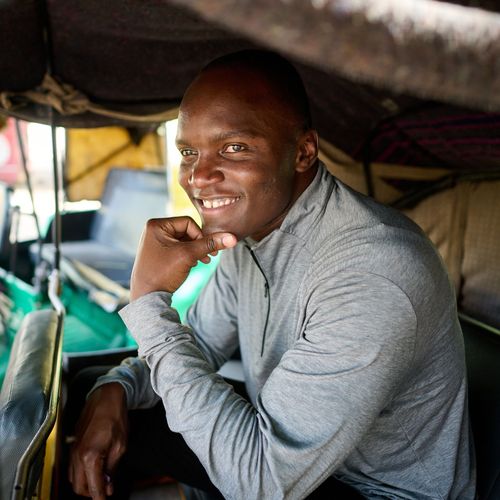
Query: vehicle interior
{"type": "Point", "coordinates": [405, 97]}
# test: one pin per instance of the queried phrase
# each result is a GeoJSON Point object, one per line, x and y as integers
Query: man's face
{"type": "Point", "coordinates": [238, 155]}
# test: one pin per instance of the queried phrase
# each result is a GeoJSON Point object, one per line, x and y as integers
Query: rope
{"type": "Point", "coordinates": [67, 100]}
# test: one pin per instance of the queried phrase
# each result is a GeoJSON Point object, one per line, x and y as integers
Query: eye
{"type": "Point", "coordinates": [188, 152]}
{"type": "Point", "coordinates": [234, 148]}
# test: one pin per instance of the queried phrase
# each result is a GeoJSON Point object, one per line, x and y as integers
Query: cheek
{"type": "Point", "coordinates": [184, 178]}
{"type": "Point", "coordinates": [272, 196]}
{"type": "Point", "coordinates": [277, 186]}
{"type": "Point", "coordinates": [271, 188]}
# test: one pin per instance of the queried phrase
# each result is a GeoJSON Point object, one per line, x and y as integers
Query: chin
{"type": "Point", "coordinates": [207, 229]}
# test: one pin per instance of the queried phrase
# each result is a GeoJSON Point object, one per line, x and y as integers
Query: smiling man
{"type": "Point", "coordinates": [343, 313]}
{"type": "Point", "coordinates": [244, 168]}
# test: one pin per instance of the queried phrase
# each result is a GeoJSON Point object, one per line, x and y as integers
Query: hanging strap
{"type": "Point", "coordinates": [67, 100]}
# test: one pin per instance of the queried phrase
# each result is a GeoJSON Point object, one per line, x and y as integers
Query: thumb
{"type": "Point", "coordinates": [211, 243]}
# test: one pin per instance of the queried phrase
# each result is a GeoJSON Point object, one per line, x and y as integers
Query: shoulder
{"type": "Point", "coordinates": [357, 234]}
{"type": "Point", "coordinates": [355, 230]}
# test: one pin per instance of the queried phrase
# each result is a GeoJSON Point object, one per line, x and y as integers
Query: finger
{"type": "Point", "coordinates": [78, 478]}
{"type": "Point", "coordinates": [115, 453]}
{"type": "Point", "coordinates": [109, 485]}
{"type": "Point", "coordinates": [95, 478]}
{"type": "Point", "coordinates": [201, 248]}
{"type": "Point", "coordinates": [180, 228]}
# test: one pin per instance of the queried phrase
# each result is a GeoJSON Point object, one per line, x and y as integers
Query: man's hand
{"type": "Point", "coordinates": [169, 248]}
{"type": "Point", "coordinates": [101, 439]}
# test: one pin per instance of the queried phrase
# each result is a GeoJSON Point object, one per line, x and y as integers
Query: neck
{"type": "Point", "coordinates": [303, 180]}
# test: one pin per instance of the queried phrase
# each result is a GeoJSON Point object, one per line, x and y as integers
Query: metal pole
{"type": "Point", "coordinates": [56, 226]}
{"type": "Point", "coordinates": [27, 175]}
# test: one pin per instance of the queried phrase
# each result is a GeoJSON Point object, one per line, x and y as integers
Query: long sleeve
{"type": "Point", "coordinates": [215, 325]}
{"type": "Point", "coordinates": [315, 407]}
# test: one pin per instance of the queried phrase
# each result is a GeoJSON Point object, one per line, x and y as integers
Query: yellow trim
{"type": "Point", "coordinates": [45, 484]}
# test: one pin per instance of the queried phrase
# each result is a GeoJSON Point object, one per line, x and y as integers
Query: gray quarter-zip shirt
{"type": "Point", "coordinates": [352, 353]}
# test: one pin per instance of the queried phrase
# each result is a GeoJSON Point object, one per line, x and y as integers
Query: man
{"type": "Point", "coordinates": [341, 308]}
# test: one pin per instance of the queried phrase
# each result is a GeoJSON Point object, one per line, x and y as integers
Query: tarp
{"type": "Point", "coordinates": [398, 81]}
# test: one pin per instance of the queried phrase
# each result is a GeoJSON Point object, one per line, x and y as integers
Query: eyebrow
{"type": "Point", "coordinates": [223, 136]}
{"type": "Point", "coordinates": [237, 133]}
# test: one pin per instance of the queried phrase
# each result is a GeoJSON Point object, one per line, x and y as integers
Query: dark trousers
{"type": "Point", "coordinates": [154, 451]}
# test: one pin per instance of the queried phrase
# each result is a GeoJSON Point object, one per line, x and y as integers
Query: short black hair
{"type": "Point", "coordinates": [279, 71]}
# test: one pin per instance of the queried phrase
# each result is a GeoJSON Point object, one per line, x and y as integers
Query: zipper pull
{"type": "Point", "coordinates": [266, 289]}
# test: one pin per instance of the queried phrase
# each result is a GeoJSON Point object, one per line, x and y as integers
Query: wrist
{"type": "Point", "coordinates": [111, 395]}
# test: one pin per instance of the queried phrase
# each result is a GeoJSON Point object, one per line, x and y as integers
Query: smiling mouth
{"type": "Point", "coordinates": [217, 202]}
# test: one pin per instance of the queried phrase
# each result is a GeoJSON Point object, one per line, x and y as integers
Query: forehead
{"type": "Point", "coordinates": [232, 100]}
{"type": "Point", "coordinates": [232, 81]}
{"type": "Point", "coordinates": [213, 117]}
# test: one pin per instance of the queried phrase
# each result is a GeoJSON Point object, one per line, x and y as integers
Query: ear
{"type": "Point", "coordinates": [307, 151]}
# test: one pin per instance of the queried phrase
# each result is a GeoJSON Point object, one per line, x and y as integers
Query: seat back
{"type": "Point", "coordinates": [482, 348]}
{"type": "Point", "coordinates": [130, 198]}
{"type": "Point", "coordinates": [25, 395]}
{"type": "Point", "coordinates": [464, 224]}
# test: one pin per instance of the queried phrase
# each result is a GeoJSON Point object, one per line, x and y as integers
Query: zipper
{"type": "Point", "coordinates": [267, 295]}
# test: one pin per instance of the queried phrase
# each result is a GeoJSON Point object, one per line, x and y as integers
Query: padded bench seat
{"type": "Point", "coordinates": [25, 394]}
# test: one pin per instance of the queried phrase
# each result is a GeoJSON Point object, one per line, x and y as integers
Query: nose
{"type": "Point", "coordinates": [204, 172]}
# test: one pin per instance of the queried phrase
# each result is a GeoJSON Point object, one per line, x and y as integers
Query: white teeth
{"type": "Point", "coordinates": [218, 202]}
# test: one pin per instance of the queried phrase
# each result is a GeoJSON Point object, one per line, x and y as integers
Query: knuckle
{"type": "Point", "coordinates": [89, 457]}
{"type": "Point", "coordinates": [79, 490]}
{"type": "Point", "coordinates": [151, 224]}
{"type": "Point", "coordinates": [120, 449]}
{"type": "Point", "coordinates": [94, 492]}
{"type": "Point", "coordinates": [211, 246]}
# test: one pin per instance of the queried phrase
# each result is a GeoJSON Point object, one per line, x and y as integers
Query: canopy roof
{"type": "Point", "coordinates": [396, 81]}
